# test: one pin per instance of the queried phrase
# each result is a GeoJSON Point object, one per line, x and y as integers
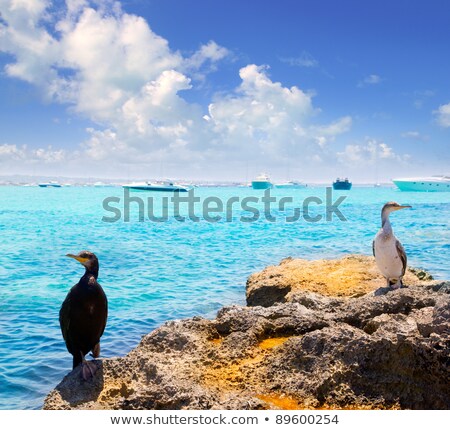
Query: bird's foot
{"type": "Point", "coordinates": [88, 369]}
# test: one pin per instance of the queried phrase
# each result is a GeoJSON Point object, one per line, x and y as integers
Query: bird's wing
{"type": "Point", "coordinates": [106, 314]}
{"type": "Point", "coordinates": [373, 247]}
{"type": "Point", "coordinates": [64, 318]}
{"type": "Point", "coordinates": [103, 311]}
{"type": "Point", "coordinates": [402, 254]}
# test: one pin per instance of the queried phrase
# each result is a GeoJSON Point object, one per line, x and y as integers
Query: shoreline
{"type": "Point", "coordinates": [293, 346]}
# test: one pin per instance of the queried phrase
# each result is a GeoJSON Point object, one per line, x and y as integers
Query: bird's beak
{"type": "Point", "coordinates": [403, 207]}
{"type": "Point", "coordinates": [79, 259]}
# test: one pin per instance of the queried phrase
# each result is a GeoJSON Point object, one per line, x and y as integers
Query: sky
{"type": "Point", "coordinates": [225, 89]}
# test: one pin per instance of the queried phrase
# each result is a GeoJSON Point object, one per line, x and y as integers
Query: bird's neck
{"type": "Point", "coordinates": [386, 224]}
{"type": "Point", "coordinates": [91, 272]}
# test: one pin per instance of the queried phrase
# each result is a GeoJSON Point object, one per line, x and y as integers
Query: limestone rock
{"type": "Point", "coordinates": [350, 276]}
{"type": "Point", "coordinates": [352, 350]}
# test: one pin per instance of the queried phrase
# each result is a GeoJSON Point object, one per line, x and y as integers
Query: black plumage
{"type": "Point", "coordinates": [83, 314]}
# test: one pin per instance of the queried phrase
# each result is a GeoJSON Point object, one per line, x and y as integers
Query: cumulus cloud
{"type": "Point", "coordinates": [263, 116]}
{"type": "Point", "coordinates": [442, 115]}
{"type": "Point", "coordinates": [11, 152]}
{"type": "Point", "coordinates": [207, 57]}
{"type": "Point", "coordinates": [369, 152]}
{"type": "Point", "coordinates": [112, 68]}
{"type": "Point", "coordinates": [22, 153]}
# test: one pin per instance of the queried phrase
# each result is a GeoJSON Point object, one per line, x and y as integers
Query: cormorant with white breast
{"type": "Point", "coordinates": [83, 315]}
{"type": "Point", "coordinates": [389, 253]}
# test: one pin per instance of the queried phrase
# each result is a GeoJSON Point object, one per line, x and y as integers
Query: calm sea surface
{"type": "Point", "coordinates": [153, 272]}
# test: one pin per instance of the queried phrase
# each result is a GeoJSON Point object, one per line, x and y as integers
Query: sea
{"type": "Point", "coordinates": [162, 259]}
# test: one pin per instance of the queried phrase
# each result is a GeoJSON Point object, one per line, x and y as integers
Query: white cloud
{"type": "Point", "coordinates": [442, 115]}
{"type": "Point", "coordinates": [370, 80]}
{"type": "Point", "coordinates": [304, 60]}
{"type": "Point", "coordinates": [264, 117]}
{"type": "Point", "coordinates": [9, 152]}
{"type": "Point", "coordinates": [209, 53]}
{"type": "Point", "coordinates": [368, 153]}
{"type": "Point", "coordinates": [110, 67]}
{"type": "Point", "coordinates": [411, 134]}
{"type": "Point", "coordinates": [415, 135]}
{"type": "Point", "coordinates": [340, 126]}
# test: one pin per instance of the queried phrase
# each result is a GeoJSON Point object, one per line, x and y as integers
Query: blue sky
{"type": "Point", "coordinates": [225, 89]}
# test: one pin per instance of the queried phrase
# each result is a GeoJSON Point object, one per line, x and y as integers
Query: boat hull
{"type": "Point", "coordinates": [342, 185]}
{"type": "Point", "coordinates": [423, 185]}
{"type": "Point", "coordinates": [290, 186]}
{"type": "Point", "coordinates": [261, 185]}
{"type": "Point", "coordinates": [50, 185]}
{"type": "Point", "coordinates": [158, 189]}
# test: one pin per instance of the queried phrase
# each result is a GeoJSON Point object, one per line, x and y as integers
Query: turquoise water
{"type": "Point", "coordinates": [153, 272]}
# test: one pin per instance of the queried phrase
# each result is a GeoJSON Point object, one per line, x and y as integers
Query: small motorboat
{"type": "Point", "coordinates": [50, 185]}
{"type": "Point", "coordinates": [291, 184]}
{"type": "Point", "coordinates": [166, 186]}
{"type": "Point", "coordinates": [262, 182]}
{"type": "Point", "coordinates": [342, 184]}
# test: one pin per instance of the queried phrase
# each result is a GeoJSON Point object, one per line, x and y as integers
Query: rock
{"type": "Point", "coordinates": [350, 276]}
{"type": "Point", "coordinates": [312, 351]}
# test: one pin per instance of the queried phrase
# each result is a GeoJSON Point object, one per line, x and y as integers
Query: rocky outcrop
{"type": "Point", "coordinates": [351, 276]}
{"type": "Point", "coordinates": [306, 350]}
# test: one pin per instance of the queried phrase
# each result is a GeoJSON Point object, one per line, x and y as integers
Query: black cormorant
{"type": "Point", "coordinates": [83, 315]}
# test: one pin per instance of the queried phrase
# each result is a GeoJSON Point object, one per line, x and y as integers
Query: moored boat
{"type": "Point", "coordinates": [430, 183]}
{"type": "Point", "coordinates": [291, 184]}
{"type": "Point", "coordinates": [166, 186]}
{"type": "Point", "coordinates": [262, 182]}
{"type": "Point", "coordinates": [50, 185]}
{"type": "Point", "coordinates": [342, 184]}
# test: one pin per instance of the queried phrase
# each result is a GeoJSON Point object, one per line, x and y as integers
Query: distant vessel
{"type": "Point", "coordinates": [262, 182]}
{"type": "Point", "coordinates": [342, 184]}
{"type": "Point", "coordinates": [430, 183]}
{"type": "Point", "coordinates": [291, 184]}
{"type": "Point", "coordinates": [50, 185]}
{"type": "Point", "coordinates": [157, 186]}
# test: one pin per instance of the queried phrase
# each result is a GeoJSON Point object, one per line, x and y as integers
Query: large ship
{"type": "Point", "coordinates": [342, 184]}
{"type": "Point", "coordinates": [262, 182]}
{"type": "Point", "coordinates": [430, 183]}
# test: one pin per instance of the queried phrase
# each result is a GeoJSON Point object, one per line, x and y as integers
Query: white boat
{"type": "Point", "coordinates": [262, 182]}
{"type": "Point", "coordinates": [101, 185]}
{"type": "Point", "coordinates": [50, 185]}
{"type": "Point", "coordinates": [167, 186]}
{"type": "Point", "coordinates": [430, 183]}
{"type": "Point", "coordinates": [291, 184]}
